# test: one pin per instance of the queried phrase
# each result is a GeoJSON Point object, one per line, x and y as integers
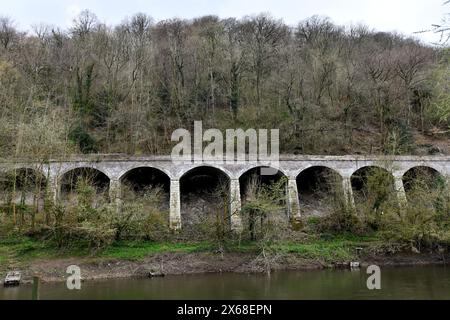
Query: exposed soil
{"type": "Point", "coordinates": [197, 263]}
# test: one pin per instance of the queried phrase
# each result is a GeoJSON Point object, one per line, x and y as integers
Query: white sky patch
{"type": "Point", "coordinates": [72, 12]}
{"type": "Point", "coordinates": [403, 16]}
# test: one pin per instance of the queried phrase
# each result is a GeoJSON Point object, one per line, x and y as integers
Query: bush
{"type": "Point", "coordinates": [340, 221]}
{"type": "Point", "coordinates": [142, 216]}
{"type": "Point", "coordinates": [424, 223]}
{"type": "Point", "coordinates": [263, 213]}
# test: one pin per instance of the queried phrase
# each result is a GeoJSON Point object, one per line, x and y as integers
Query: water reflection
{"type": "Point", "coordinates": [397, 283]}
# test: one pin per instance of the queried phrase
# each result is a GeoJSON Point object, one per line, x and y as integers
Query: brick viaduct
{"type": "Point", "coordinates": [116, 167]}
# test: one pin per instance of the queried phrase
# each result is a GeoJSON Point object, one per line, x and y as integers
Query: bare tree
{"type": "Point", "coordinates": [84, 23]}
{"type": "Point", "coordinates": [264, 35]}
{"type": "Point", "coordinates": [7, 32]}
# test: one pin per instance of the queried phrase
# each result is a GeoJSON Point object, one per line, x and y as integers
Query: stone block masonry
{"type": "Point", "coordinates": [115, 167]}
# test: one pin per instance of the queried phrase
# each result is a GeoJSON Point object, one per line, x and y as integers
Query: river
{"type": "Point", "coordinates": [430, 282]}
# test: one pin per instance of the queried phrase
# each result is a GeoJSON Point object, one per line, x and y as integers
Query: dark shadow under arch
{"type": "Point", "coordinates": [148, 186]}
{"type": "Point", "coordinates": [373, 187]}
{"type": "Point", "coordinates": [319, 189]}
{"type": "Point", "coordinates": [138, 179]}
{"type": "Point", "coordinates": [94, 177]}
{"type": "Point", "coordinates": [264, 201]}
{"type": "Point", "coordinates": [422, 175]}
{"type": "Point", "coordinates": [204, 199]}
{"type": "Point", "coordinates": [257, 175]}
{"type": "Point", "coordinates": [423, 183]}
{"type": "Point", "coordinates": [359, 177]}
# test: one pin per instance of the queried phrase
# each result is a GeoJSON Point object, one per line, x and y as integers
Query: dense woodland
{"type": "Point", "coordinates": [330, 89]}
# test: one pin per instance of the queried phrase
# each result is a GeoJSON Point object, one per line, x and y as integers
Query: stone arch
{"type": "Point", "coordinates": [26, 186]}
{"type": "Point", "coordinates": [146, 183]}
{"type": "Point", "coordinates": [126, 170]}
{"type": "Point", "coordinates": [98, 179]}
{"type": "Point", "coordinates": [431, 167]}
{"type": "Point", "coordinates": [373, 187]}
{"type": "Point", "coordinates": [204, 192]}
{"type": "Point", "coordinates": [223, 171]}
{"type": "Point", "coordinates": [64, 170]}
{"type": "Point", "coordinates": [423, 182]}
{"type": "Point", "coordinates": [432, 177]}
{"type": "Point", "coordinates": [279, 171]}
{"type": "Point", "coordinates": [140, 177]}
{"type": "Point", "coordinates": [255, 177]}
{"type": "Point", "coordinates": [251, 183]}
{"type": "Point", "coordinates": [319, 188]}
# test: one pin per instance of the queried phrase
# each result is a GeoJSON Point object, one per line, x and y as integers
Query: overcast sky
{"type": "Point", "coordinates": [404, 16]}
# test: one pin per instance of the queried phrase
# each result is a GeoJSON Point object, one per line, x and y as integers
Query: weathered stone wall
{"type": "Point", "coordinates": [116, 167]}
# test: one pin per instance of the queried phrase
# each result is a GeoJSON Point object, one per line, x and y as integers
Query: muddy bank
{"type": "Point", "coordinates": [197, 263]}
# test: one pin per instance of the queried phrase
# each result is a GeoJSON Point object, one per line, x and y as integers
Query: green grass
{"type": "Point", "coordinates": [331, 249]}
{"type": "Point", "coordinates": [18, 249]}
{"type": "Point", "coordinates": [139, 250]}
{"type": "Point", "coordinates": [328, 248]}
{"type": "Point", "coordinates": [322, 250]}
{"type": "Point", "coordinates": [23, 250]}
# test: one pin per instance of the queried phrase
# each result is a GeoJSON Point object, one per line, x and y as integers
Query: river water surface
{"type": "Point", "coordinates": [396, 283]}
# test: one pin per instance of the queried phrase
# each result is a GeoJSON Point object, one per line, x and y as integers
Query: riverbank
{"type": "Point", "coordinates": [139, 259]}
